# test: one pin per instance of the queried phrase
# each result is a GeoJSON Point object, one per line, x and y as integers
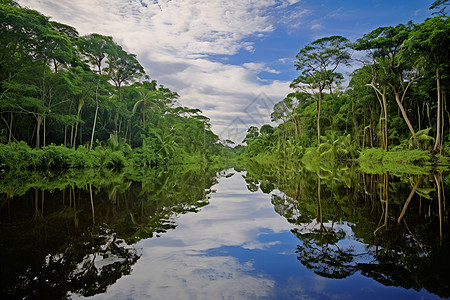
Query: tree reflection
{"type": "Point", "coordinates": [389, 227]}
{"type": "Point", "coordinates": [80, 239]}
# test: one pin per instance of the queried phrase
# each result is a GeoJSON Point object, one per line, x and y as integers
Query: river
{"type": "Point", "coordinates": [225, 234]}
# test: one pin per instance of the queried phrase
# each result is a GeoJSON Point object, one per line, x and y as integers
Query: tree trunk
{"type": "Point", "coordinates": [405, 117]}
{"type": "Point", "coordinates": [319, 102]}
{"type": "Point", "coordinates": [44, 134]}
{"type": "Point", "coordinates": [71, 136]}
{"type": "Point", "coordinates": [65, 136]}
{"type": "Point", "coordinates": [75, 134]}
{"type": "Point", "coordinates": [39, 119]}
{"type": "Point", "coordinates": [437, 144]}
{"type": "Point", "coordinates": [386, 144]}
{"type": "Point", "coordinates": [418, 115]}
{"type": "Point", "coordinates": [95, 116]}
{"type": "Point", "coordinates": [11, 116]}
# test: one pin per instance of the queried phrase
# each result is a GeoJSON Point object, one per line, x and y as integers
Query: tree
{"type": "Point", "coordinates": [95, 48]}
{"type": "Point", "coordinates": [442, 5]}
{"type": "Point", "coordinates": [147, 97]}
{"type": "Point", "coordinates": [425, 44]}
{"type": "Point", "coordinates": [266, 130]}
{"type": "Point", "coordinates": [252, 134]}
{"type": "Point", "coordinates": [318, 63]}
{"type": "Point", "coordinates": [389, 70]}
{"type": "Point", "coordinates": [123, 67]}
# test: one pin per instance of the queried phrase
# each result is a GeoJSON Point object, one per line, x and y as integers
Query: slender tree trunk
{"type": "Point", "coordinates": [383, 111]}
{"type": "Point", "coordinates": [319, 102]}
{"type": "Point", "coordinates": [386, 144]}
{"type": "Point", "coordinates": [44, 133]}
{"type": "Point", "coordinates": [11, 116]}
{"type": "Point", "coordinates": [437, 144]}
{"type": "Point", "coordinates": [381, 126]}
{"type": "Point", "coordinates": [39, 119]}
{"type": "Point", "coordinates": [143, 115]}
{"type": "Point", "coordinates": [418, 115]}
{"type": "Point", "coordinates": [65, 136]}
{"type": "Point", "coordinates": [405, 116]}
{"type": "Point", "coordinates": [75, 134]}
{"type": "Point", "coordinates": [372, 123]}
{"type": "Point", "coordinates": [95, 116]}
{"type": "Point", "coordinates": [71, 136]}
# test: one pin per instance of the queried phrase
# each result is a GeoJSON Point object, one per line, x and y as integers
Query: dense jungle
{"type": "Point", "coordinates": [111, 188]}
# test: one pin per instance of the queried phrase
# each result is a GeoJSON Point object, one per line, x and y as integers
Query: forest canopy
{"type": "Point", "coordinates": [60, 88]}
{"type": "Point", "coordinates": [395, 99]}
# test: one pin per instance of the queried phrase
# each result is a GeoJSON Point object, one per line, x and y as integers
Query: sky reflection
{"type": "Point", "coordinates": [238, 247]}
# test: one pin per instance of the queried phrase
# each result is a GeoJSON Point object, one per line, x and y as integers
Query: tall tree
{"type": "Point", "coordinates": [123, 67]}
{"type": "Point", "coordinates": [426, 43]}
{"type": "Point", "coordinates": [95, 48]}
{"type": "Point", "coordinates": [318, 63]}
{"type": "Point", "coordinates": [389, 70]}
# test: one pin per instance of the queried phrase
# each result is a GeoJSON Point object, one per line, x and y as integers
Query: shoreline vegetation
{"type": "Point", "coordinates": [392, 116]}
{"type": "Point", "coordinates": [79, 102]}
{"type": "Point", "coordinates": [70, 101]}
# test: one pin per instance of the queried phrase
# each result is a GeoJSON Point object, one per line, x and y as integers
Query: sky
{"type": "Point", "coordinates": [232, 59]}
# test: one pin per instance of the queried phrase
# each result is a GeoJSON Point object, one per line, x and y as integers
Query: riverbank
{"type": "Point", "coordinates": [367, 160]}
{"type": "Point", "coordinates": [20, 157]}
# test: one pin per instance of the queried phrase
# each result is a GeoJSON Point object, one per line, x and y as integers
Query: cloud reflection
{"type": "Point", "coordinates": [179, 265]}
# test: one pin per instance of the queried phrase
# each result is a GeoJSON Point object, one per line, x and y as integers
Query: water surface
{"type": "Point", "coordinates": [232, 234]}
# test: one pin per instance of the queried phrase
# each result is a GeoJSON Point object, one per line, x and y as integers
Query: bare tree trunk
{"type": "Point", "coordinates": [65, 136]}
{"type": "Point", "coordinates": [437, 144]}
{"type": "Point", "coordinates": [71, 136]}
{"type": "Point", "coordinates": [405, 117]}
{"type": "Point", "coordinates": [319, 102]}
{"type": "Point", "coordinates": [95, 115]}
{"type": "Point", "coordinates": [418, 114]}
{"type": "Point", "coordinates": [39, 119]}
{"type": "Point", "coordinates": [43, 125]}
{"type": "Point", "coordinates": [11, 116]}
{"type": "Point", "coordinates": [75, 134]}
{"type": "Point", "coordinates": [386, 144]}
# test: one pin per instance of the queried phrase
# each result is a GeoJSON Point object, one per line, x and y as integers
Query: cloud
{"type": "Point", "coordinates": [185, 264]}
{"type": "Point", "coordinates": [316, 26]}
{"type": "Point", "coordinates": [259, 67]}
{"type": "Point", "coordinates": [175, 40]}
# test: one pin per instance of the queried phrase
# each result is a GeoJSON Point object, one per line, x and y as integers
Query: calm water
{"type": "Point", "coordinates": [232, 234]}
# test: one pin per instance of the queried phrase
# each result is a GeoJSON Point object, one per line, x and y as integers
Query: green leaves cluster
{"type": "Point", "coordinates": [62, 88]}
{"type": "Point", "coordinates": [395, 100]}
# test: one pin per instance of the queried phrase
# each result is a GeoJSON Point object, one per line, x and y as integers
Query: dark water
{"type": "Point", "coordinates": [233, 234]}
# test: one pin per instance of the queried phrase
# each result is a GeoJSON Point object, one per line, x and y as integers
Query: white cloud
{"type": "Point", "coordinates": [259, 67]}
{"type": "Point", "coordinates": [174, 41]}
{"type": "Point", "coordinates": [316, 26]}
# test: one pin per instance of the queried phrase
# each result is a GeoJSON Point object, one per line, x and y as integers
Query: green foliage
{"type": "Point", "coordinates": [377, 161]}
{"type": "Point", "coordinates": [57, 88]}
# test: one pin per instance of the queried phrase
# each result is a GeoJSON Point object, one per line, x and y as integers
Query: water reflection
{"type": "Point", "coordinates": [79, 239]}
{"type": "Point", "coordinates": [210, 255]}
{"type": "Point", "coordinates": [298, 232]}
{"type": "Point", "coordinates": [389, 227]}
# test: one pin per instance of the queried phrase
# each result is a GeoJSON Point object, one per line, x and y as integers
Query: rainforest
{"type": "Point", "coordinates": [111, 188]}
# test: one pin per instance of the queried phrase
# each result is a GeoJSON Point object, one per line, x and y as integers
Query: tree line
{"type": "Point", "coordinates": [60, 88]}
{"type": "Point", "coordinates": [395, 99]}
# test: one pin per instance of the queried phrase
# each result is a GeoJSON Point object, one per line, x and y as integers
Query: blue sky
{"type": "Point", "coordinates": [231, 59]}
